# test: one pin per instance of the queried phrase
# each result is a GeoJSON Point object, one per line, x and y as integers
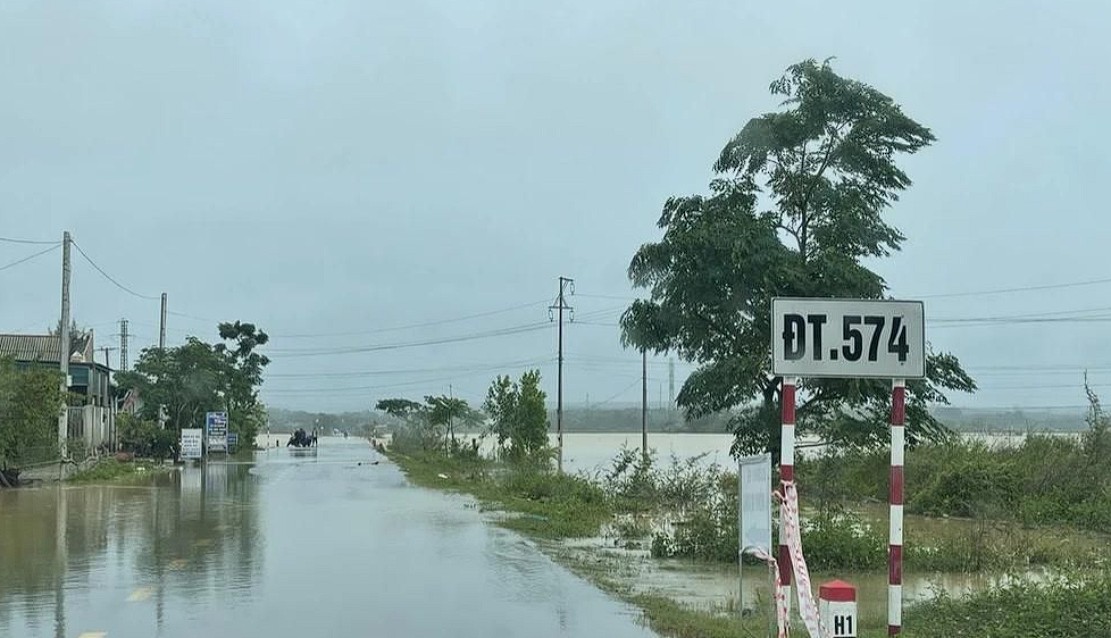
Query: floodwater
{"type": "Point", "coordinates": [297, 544]}
{"type": "Point", "coordinates": [593, 452]}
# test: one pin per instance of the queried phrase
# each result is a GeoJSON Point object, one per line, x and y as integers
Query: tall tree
{"type": "Point", "coordinates": [29, 404]}
{"type": "Point", "coordinates": [448, 412]}
{"type": "Point", "coordinates": [518, 413]}
{"type": "Point", "coordinates": [198, 377]}
{"type": "Point", "coordinates": [795, 208]}
{"type": "Point", "coordinates": [403, 409]}
{"type": "Point", "coordinates": [243, 376]}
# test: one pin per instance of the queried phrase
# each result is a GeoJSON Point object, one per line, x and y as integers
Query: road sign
{"type": "Point", "coordinates": [216, 429]}
{"type": "Point", "coordinates": [233, 440]}
{"type": "Point", "coordinates": [755, 511]}
{"type": "Point", "coordinates": [191, 443]}
{"type": "Point", "coordinates": [848, 338]}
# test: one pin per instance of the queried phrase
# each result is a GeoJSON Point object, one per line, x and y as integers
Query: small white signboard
{"type": "Point", "coordinates": [191, 443]}
{"type": "Point", "coordinates": [755, 512]}
{"type": "Point", "coordinates": [848, 338]}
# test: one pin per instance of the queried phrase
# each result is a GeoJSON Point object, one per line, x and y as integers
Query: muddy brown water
{"type": "Point", "coordinates": [295, 544]}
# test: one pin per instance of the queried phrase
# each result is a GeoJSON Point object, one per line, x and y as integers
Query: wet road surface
{"type": "Point", "coordinates": [297, 544]}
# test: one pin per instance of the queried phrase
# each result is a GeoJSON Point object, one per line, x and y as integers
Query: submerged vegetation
{"type": "Point", "coordinates": [111, 469]}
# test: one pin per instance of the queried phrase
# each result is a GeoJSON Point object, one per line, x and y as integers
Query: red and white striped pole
{"type": "Point", "coordinates": [895, 549]}
{"type": "Point", "coordinates": [786, 473]}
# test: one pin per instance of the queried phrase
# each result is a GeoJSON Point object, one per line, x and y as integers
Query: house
{"type": "Point", "coordinates": [91, 414]}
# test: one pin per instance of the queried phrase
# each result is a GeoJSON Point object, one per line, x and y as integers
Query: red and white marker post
{"type": "Point", "coordinates": [895, 548]}
{"type": "Point", "coordinates": [837, 609]}
{"type": "Point", "coordinates": [786, 473]}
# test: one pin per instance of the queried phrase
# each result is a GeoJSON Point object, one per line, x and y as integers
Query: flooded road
{"type": "Point", "coordinates": [297, 544]}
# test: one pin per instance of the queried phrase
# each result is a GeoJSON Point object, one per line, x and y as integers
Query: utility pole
{"type": "Point", "coordinates": [64, 347]}
{"type": "Point", "coordinates": [565, 284]}
{"type": "Point", "coordinates": [162, 326]}
{"type": "Point", "coordinates": [670, 384]}
{"type": "Point", "coordinates": [109, 399]}
{"type": "Point", "coordinates": [123, 344]}
{"type": "Point", "coordinates": [644, 405]}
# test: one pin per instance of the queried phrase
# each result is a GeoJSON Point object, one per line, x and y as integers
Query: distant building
{"type": "Point", "coordinates": [91, 417]}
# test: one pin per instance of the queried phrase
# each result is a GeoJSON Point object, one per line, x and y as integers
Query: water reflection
{"type": "Point", "coordinates": [190, 534]}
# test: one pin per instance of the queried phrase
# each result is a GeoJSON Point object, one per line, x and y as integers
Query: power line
{"type": "Point", "coordinates": [12, 240]}
{"type": "Point", "coordinates": [29, 258]}
{"type": "Point", "coordinates": [614, 297]}
{"type": "Point", "coordinates": [502, 332]}
{"type": "Point", "coordinates": [1060, 386]}
{"type": "Point", "coordinates": [466, 368]}
{"type": "Point", "coordinates": [109, 277]}
{"type": "Point", "coordinates": [617, 394]}
{"type": "Point", "coordinates": [188, 316]}
{"type": "Point", "coordinates": [426, 324]}
{"type": "Point", "coordinates": [1000, 291]}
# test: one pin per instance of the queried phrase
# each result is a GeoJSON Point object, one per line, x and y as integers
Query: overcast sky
{"type": "Point", "coordinates": [349, 167]}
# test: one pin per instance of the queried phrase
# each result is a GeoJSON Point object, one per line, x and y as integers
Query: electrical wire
{"type": "Point", "coordinates": [29, 258]}
{"type": "Point", "coordinates": [12, 240]}
{"type": "Point", "coordinates": [1000, 291]}
{"type": "Point", "coordinates": [617, 394]}
{"type": "Point", "coordinates": [109, 277]}
{"type": "Point", "coordinates": [502, 332]}
{"type": "Point", "coordinates": [492, 366]}
{"type": "Point", "coordinates": [426, 324]}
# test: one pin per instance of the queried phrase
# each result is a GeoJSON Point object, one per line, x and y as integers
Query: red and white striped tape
{"type": "Point", "coordinates": [782, 611]}
{"type": "Point", "coordinates": [792, 531]}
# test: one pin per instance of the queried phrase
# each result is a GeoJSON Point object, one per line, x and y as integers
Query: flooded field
{"type": "Point", "coordinates": [591, 452]}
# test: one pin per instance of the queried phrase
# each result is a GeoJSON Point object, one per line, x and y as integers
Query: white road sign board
{"type": "Point", "coordinates": [755, 511]}
{"type": "Point", "coordinates": [191, 443]}
{"type": "Point", "coordinates": [848, 338]}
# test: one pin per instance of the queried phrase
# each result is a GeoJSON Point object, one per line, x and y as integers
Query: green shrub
{"type": "Point", "coordinates": [144, 438]}
{"type": "Point", "coordinates": [842, 541]}
{"type": "Point", "coordinates": [1055, 610]}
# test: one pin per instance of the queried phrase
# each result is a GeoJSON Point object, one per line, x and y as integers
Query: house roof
{"type": "Point", "coordinates": [45, 347]}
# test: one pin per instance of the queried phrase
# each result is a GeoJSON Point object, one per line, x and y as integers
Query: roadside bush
{"type": "Point", "coordinates": [144, 438]}
{"type": "Point", "coordinates": [966, 482]}
{"type": "Point", "coordinates": [842, 540]}
{"type": "Point", "coordinates": [1058, 609]}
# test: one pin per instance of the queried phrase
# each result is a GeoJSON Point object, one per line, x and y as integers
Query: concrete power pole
{"type": "Point", "coordinates": [670, 385]}
{"type": "Point", "coordinates": [123, 345]}
{"type": "Point", "coordinates": [560, 305]}
{"type": "Point", "coordinates": [162, 326]}
{"type": "Point", "coordinates": [644, 405]}
{"type": "Point", "coordinates": [64, 347]}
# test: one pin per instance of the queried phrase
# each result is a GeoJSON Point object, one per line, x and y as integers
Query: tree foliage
{"type": "Point", "coordinates": [403, 409]}
{"type": "Point", "coordinates": [447, 412]}
{"type": "Point", "coordinates": [518, 414]}
{"type": "Point", "coordinates": [796, 206]}
{"type": "Point", "coordinates": [30, 400]}
{"type": "Point", "coordinates": [144, 438]}
{"type": "Point", "coordinates": [198, 377]}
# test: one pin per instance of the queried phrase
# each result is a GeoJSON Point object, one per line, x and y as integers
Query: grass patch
{"type": "Point", "coordinates": [668, 617]}
{"type": "Point", "coordinates": [547, 504]}
{"type": "Point", "coordinates": [1054, 610]}
{"type": "Point", "coordinates": [112, 470]}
